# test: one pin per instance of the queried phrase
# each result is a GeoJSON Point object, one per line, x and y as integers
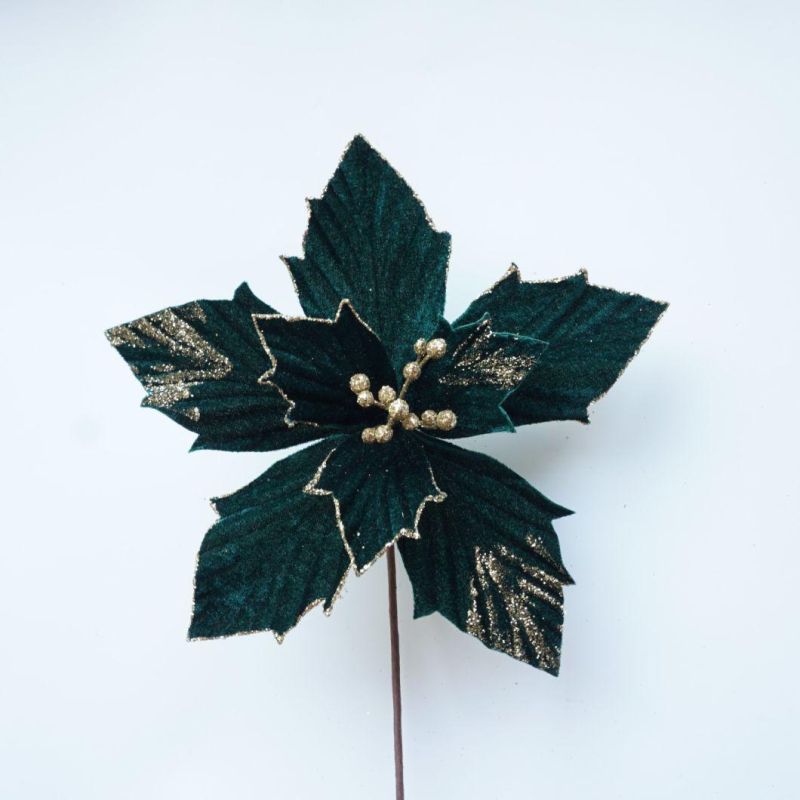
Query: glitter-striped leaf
{"type": "Point", "coordinates": [200, 363]}
{"type": "Point", "coordinates": [592, 334]}
{"type": "Point", "coordinates": [488, 558]}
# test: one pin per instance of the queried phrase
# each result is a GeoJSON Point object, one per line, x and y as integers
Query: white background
{"type": "Point", "coordinates": [155, 153]}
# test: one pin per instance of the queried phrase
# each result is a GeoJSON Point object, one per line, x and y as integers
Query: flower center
{"type": "Point", "coordinates": [394, 403]}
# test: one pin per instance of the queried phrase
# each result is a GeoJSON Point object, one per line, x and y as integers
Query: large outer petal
{"type": "Point", "coordinates": [488, 558]}
{"type": "Point", "coordinates": [369, 240]}
{"type": "Point", "coordinates": [200, 364]}
{"type": "Point", "coordinates": [275, 553]}
{"type": "Point", "coordinates": [592, 334]}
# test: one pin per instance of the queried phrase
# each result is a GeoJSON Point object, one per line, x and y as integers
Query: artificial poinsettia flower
{"type": "Point", "coordinates": [383, 382]}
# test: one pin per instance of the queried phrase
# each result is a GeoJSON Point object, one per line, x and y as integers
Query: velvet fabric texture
{"type": "Point", "coordinates": [488, 558]}
{"type": "Point", "coordinates": [274, 553]}
{"type": "Point", "coordinates": [476, 539]}
{"type": "Point", "coordinates": [370, 240]}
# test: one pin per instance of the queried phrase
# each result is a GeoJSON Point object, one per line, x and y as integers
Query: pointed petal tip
{"type": "Point", "coordinates": [513, 273]}
{"type": "Point", "coordinates": [359, 140]}
{"type": "Point", "coordinates": [193, 635]}
{"type": "Point", "coordinates": [554, 670]}
{"type": "Point", "coordinates": [244, 293]}
{"type": "Point", "coordinates": [562, 512]}
{"type": "Point", "coordinates": [359, 145]}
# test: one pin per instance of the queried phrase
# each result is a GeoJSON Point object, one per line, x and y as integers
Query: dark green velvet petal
{"type": "Point", "coordinates": [200, 363]}
{"type": "Point", "coordinates": [488, 558]}
{"type": "Point", "coordinates": [370, 240]}
{"type": "Point", "coordinates": [312, 361]}
{"type": "Point", "coordinates": [275, 552]}
{"type": "Point", "coordinates": [592, 334]}
{"type": "Point", "coordinates": [480, 369]}
{"type": "Point", "coordinates": [379, 490]}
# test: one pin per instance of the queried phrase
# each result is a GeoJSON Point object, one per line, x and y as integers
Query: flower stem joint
{"type": "Point", "coordinates": [394, 403]}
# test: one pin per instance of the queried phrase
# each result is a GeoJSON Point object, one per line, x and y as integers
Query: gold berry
{"type": "Point", "coordinates": [411, 422]}
{"type": "Point", "coordinates": [412, 371]}
{"type": "Point", "coordinates": [436, 348]}
{"type": "Point", "coordinates": [383, 434]}
{"type": "Point", "coordinates": [368, 436]}
{"type": "Point", "coordinates": [398, 409]}
{"type": "Point", "coordinates": [446, 420]}
{"type": "Point", "coordinates": [386, 395]}
{"type": "Point", "coordinates": [359, 383]}
{"type": "Point", "coordinates": [365, 398]}
{"type": "Point", "coordinates": [428, 419]}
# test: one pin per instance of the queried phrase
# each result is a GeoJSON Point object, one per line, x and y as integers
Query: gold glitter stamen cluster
{"type": "Point", "coordinates": [394, 403]}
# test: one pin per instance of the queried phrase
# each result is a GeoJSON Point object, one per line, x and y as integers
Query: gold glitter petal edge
{"type": "Point", "coordinates": [266, 378]}
{"type": "Point", "coordinates": [409, 533]}
{"type": "Point", "coordinates": [327, 610]}
{"type": "Point", "coordinates": [312, 487]}
{"type": "Point", "coordinates": [641, 344]}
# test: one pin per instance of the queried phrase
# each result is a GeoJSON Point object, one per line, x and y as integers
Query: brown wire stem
{"type": "Point", "coordinates": [395, 648]}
